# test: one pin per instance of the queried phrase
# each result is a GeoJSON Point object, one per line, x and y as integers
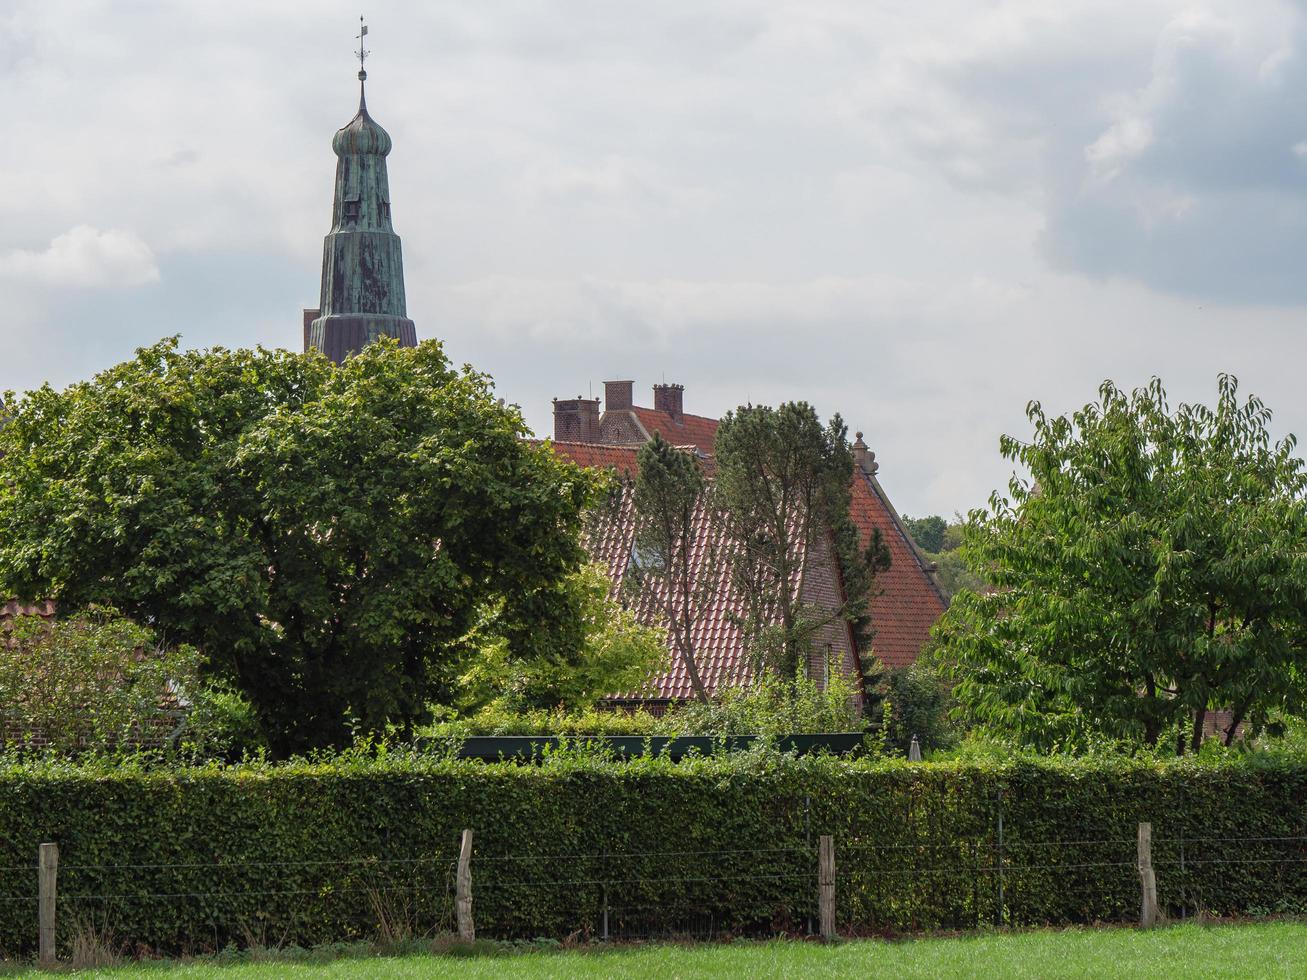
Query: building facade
{"type": "Point", "coordinates": [907, 600]}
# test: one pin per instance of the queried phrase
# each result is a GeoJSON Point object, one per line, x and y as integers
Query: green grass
{"type": "Point", "coordinates": [1268, 949]}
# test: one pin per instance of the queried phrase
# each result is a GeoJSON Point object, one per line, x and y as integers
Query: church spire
{"type": "Point", "coordinates": [362, 267]}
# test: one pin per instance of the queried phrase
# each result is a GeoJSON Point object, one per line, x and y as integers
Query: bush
{"type": "Point", "coordinates": [916, 702]}
{"type": "Point", "coordinates": [496, 720]}
{"type": "Point", "coordinates": [195, 858]}
{"type": "Point", "coordinates": [93, 682]}
{"type": "Point", "coordinates": [616, 654]}
{"type": "Point", "coordinates": [222, 724]}
{"type": "Point", "coordinates": [770, 706]}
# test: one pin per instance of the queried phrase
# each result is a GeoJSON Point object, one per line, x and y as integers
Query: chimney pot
{"type": "Point", "coordinates": [617, 395]}
{"type": "Point", "coordinates": [669, 399]}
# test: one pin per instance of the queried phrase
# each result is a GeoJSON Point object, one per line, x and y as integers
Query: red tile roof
{"type": "Point", "coordinates": [12, 608]}
{"type": "Point", "coordinates": [717, 638]}
{"type": "Point", "coordinates": [596, 456]}
{"type": "Point", "coordinates": [679, 430]}
{"type": "Point", "coordinates": [908, 601]}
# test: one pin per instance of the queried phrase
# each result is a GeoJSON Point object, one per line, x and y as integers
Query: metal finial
{"type": "Point", "coordinates": [362, 53]}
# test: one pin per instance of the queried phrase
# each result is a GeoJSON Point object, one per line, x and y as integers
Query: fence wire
{"type": "Point", "coordinates": [631, 894]}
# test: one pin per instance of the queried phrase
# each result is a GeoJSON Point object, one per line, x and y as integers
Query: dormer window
{"type": "Point", "coordinates": [643, 559]}
{"type": "Point", "coordinates": [385, 210]}
{"type": "Point", "coordinates": [352, 210]}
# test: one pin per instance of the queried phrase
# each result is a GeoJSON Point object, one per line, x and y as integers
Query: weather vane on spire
{"type": "Point", "coordinates": [361, 52]}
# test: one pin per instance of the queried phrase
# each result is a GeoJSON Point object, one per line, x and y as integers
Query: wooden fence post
{"type": "Point", "coordinates": [1147, 879]}
{"type": "Point", "coordinates": [463, 890]}
{"type": "Point", "coordinates": [48, 864]}
{"type": "Point", "coordinates": [826, 884]}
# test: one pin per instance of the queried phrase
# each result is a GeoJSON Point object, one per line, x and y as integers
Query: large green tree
{"type": "Point", "coordinates": [327, 536]}
{"type": "Point", "coordinates": [1150, 567]}
{"type": "Point", "coordinates": [783, 483]}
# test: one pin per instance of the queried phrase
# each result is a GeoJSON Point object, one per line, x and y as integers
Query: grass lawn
{"type": "Point", "coordinates": [1269, 949]}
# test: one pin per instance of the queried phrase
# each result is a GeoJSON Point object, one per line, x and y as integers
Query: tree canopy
{"type": "Point", "coordinates": [1150, 568]}
{"type": "Point", "coordinates": [783, 480]}
{"type": "Point", "coordinates": [327, 536]}
{"type": "Point", "coordinates": [927, 532]}
{"type": "Point", "coordinates": [939, 540]}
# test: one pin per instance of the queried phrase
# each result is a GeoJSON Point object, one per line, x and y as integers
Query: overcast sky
{"type": "Point", "coordinates": [920, 215]}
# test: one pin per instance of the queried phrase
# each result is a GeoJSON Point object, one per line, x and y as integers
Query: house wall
{"type": "Point", "coordinates": [822, 588]}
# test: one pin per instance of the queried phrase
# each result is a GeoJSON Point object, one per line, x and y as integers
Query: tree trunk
{"type": "Point", "coordinates": [1196, 740]}
{"type": "Point", "coordinates": [1236, 719]}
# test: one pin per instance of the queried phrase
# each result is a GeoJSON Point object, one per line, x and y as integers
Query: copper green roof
{"type": "Point", "coordinates": [362, 294]}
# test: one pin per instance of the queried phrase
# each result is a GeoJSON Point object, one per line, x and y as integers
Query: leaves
{"type": "Point", "coordinates": [326, 535]}
{"type": "Point", "coordinates": [783, 481]}
{"type": "Point", "coordinates": [96, 682]}
{"type": "Point", "coordinates": [1149, 570]}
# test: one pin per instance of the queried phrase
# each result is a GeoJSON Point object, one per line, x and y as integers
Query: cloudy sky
{"type": "Point", "coordinates": [920, 215]}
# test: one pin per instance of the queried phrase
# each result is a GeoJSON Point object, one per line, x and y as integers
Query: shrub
{"type": "Point", "coordinates": [770, 706]}
{"type": "Point", "coordinates": [496, 720]}
{"type": "Point", "coordinates": [92, 682]}
{"type": "Point", "coordinates": [616, 654]}
{"type": "Point", "coordinates": [195, 858]}
{"type": "Point", "coordinates": [221, 724]}
{"type": "Point", "coordinates": [916, 702]}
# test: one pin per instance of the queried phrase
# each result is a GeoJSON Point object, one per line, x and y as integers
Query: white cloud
{"type": "Point", "coordinates": [85, 257]}
{"type": "Point", "coordinates": [897, 210]}
{"type": "Point", "coordinates": [1124, 140]}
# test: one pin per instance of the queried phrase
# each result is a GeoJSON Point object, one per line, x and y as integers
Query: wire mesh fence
{"type": "Point", "coordinates": [881, 886]}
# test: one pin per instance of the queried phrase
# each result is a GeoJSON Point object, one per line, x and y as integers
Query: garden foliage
{"type": "Point", "coordinates": [94, 682]}
{"type": "Point", "coordinates": [326, 535]}
{"type": "Point", "coordinates": [1150, 569]}
{"type": "Point", "coordinates": [617, 655]}
{"type": "Point", "coordinates": [305, 852]}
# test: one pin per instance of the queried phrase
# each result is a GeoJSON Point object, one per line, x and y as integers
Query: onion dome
{"type": "Point", "coordinates": [362, 134]}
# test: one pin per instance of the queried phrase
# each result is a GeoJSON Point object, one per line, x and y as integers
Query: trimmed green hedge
{"type": "Point", "coordinates": [312, 852]}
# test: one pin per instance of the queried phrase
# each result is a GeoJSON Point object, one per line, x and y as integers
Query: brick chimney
{"type": "Point", "coordinates": [670, 399]}
{"type": "Point", "coordinates": [576, 419]}
{"type": "Point", "coordinates": [617, 395]}
{"type": "Point", "coordinates": [863, 458]}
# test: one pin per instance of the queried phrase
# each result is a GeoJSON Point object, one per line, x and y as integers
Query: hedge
{"type": "Point", "coordinates": [311, 852]}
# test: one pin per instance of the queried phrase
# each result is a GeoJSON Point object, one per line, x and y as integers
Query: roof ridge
{"type": "Point", "coordinates": [683, 415]}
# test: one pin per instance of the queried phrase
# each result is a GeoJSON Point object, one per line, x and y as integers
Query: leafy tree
{"type": "Point", "coordinates": [783, 481]}
{"type": "Point", "coordinates": [954, 574]}
{"type": "Point", "coordinates": [1151, 569]}
{"type": "Point", "coordinates": [91, 682]}
{"type": "Point", "coordinates": [618, 655]}
{"type": "Point", "coordinates": [939, 540]}
{"type": "Point", "coordinates": [927, 532]}
{"type": "Point", "coordinates": [916, 702]}
{"type": "Point", "coordinates": [327, 536]}
{"type": "Point", "coordinates": [669, 502]}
